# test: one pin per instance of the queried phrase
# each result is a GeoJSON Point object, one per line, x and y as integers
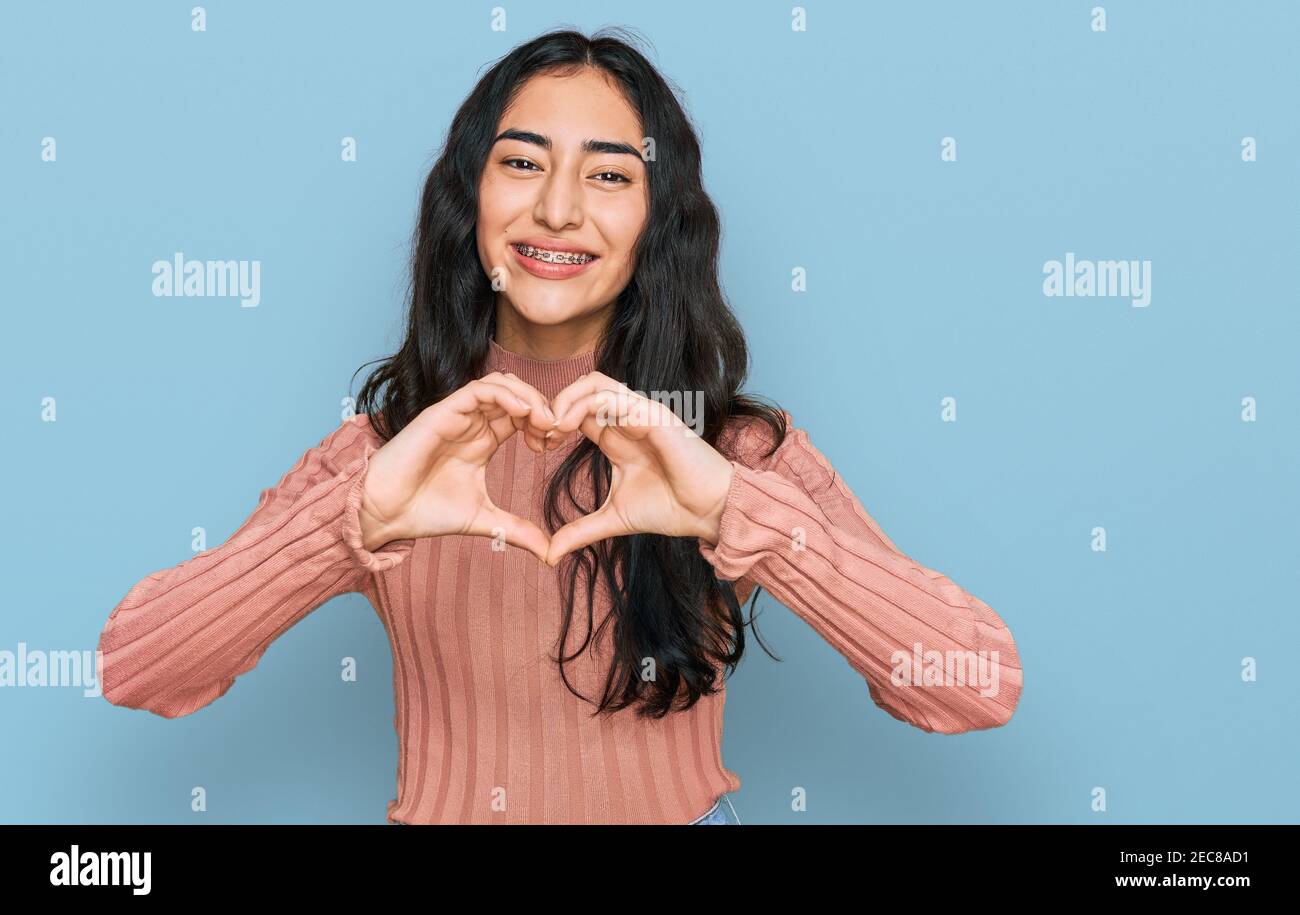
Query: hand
{"type": "Point", "coordinates": [430, 478]}
{"type": "Point", "coordinates": [665, 479]}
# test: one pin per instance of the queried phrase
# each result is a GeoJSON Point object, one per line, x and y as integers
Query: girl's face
{"type": "Point", "coordinates": [564, 175]}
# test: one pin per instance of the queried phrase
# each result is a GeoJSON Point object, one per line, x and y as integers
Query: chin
{"type": "Point", "coordinates": [545, 311]}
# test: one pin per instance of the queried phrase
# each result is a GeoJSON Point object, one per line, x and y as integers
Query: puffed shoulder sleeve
{"type": "Point", "coordinates": [180, 636]}
{"type": "Point", "coordinates": [933, 655]}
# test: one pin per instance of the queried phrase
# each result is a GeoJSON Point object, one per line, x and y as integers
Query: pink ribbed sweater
{"type": "Point", "coordinates": [487, 731]}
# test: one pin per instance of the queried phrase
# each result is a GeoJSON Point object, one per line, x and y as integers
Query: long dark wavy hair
{"type": "Point", "coordinates": [671, 330]}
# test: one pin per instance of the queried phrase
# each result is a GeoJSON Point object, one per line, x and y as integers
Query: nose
{"type": "Point", "coordinates": [559, 200]}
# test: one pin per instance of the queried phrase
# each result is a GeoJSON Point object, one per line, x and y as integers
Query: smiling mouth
{"type": "Point", "coordinates": [554, 257]}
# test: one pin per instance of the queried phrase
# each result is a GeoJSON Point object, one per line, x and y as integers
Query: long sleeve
{"type": "Point", "coordinates": [181, 636]}
{"type": "Point", "coordinates": [933, 655]}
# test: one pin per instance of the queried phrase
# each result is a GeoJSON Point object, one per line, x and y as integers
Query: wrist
{"type": "Point", "coordinates": [376, 531]}
{"type": "Point", "coordinates": [711, 522]}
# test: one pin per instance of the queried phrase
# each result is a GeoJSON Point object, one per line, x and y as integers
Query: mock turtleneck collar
{"type": "Point", "coordinates": [549, 376]}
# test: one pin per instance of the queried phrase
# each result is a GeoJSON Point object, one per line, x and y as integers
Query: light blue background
{"type": "Point", "coordinates": [821, 150]}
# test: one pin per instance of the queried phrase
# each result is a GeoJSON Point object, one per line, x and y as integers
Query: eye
{"type": "Point", "coordinates": [525, 161]}
{"type": "Point", "coordinates": [620, 177]}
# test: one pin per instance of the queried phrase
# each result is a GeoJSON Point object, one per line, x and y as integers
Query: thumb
{"type": "Point", "coordinates": [516, 531]}
{"type": "Point", "coordinates": [584, 531]}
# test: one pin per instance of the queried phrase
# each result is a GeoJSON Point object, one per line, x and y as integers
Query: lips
{"type": "Point", "coordinates": [547, 256]}
{"type": "Point", "coordinates": [553, 244]}
{"type": "Point", "coordinates": [551, 260]}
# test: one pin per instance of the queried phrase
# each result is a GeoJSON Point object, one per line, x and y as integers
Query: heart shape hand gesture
{"type": "Point", "coordinates": [430, 478]}
{"type": "Point", "coordinates": [664, 478]}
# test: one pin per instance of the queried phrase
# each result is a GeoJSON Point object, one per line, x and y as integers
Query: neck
{"type": "Point", "coordinates": [548, 342]}
{"type": "Point", "coordinates": [549, 376]}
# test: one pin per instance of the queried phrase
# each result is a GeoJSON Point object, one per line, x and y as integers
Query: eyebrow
{"type": "Point", "coordinates": [588, 146]}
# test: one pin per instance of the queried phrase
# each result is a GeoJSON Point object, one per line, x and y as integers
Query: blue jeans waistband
{"type": "Point", "coordinates": [722, 813]}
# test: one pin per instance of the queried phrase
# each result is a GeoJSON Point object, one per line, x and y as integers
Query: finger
{"type": "Point", "coordinates": [493, 522]}
{"type": "Point", "coordinates": [482, 396]}
{"type": "Point", "coordinates": [584, 531]}
{"type": "Point", "coordinates": [586, 406]}
{"type": "Point", "coordinates": [584, 386]}
{"type": "Point", "coordinates": [539, 420]}
{"type": "Point", "coordinates": [500, 406]}
{"type": "Point", "coordinates": [591, 427]}
{"type": "Point", "coordinates": [609, 408]}
{"type": "Point", "coordinates": [531, 424]}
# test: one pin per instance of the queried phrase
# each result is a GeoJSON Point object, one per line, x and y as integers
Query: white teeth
{"type": "Point", "coordinates": [553, 257]}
